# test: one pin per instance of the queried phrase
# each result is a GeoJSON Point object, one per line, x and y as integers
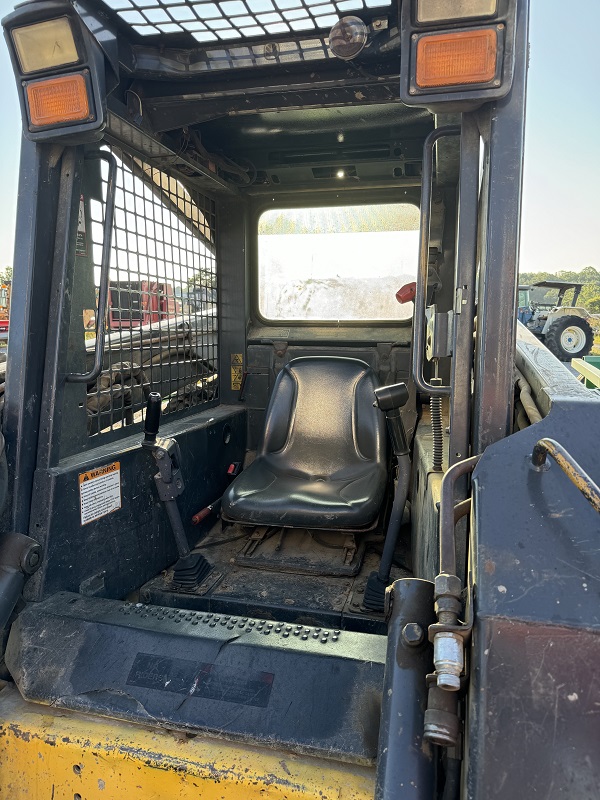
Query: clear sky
{"type": "Point", "coordinates": [561, 200]}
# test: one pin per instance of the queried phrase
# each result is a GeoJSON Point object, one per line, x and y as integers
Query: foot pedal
{"type": "Point", "coordinates": [190, 571]}
{"type": "Point", "coordinates": [374, 597]}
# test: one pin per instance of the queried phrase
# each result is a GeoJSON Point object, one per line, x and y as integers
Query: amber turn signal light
{"type": "Point", "coordinates": [54, 101]}
{"type": "Point", "coordinates": [453, 59]}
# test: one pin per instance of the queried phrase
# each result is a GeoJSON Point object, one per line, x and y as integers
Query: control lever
{"type": "Point", "coordinates": [191, 568]}
{"type": "Point", "coordinates": [390, 399]}
{"type": "Point", "coordinates": [407, 293]}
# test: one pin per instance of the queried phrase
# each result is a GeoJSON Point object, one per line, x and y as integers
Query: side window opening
{"type": "Point", "coordinates": [162, 327]}
{"type": "Point", "coordinates": [337, 263]}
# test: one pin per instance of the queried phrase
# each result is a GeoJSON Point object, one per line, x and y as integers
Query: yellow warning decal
{"type": "Point", "coordinates": [236, 378]}
{"type": "Point", "coordinates": [89, 323]}
{"type": "Point", "coordinates": [100, 492]}
{"type": "Point", "coordinates": [237, 371]}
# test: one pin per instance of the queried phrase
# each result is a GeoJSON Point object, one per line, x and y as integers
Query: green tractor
{"type": "Point", "coordinates": [564, 329]}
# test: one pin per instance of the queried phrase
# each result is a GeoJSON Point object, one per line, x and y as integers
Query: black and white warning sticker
{"type": "Point", "coordinates": [100, 492]}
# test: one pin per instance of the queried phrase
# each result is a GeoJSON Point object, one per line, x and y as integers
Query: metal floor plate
{"type": "Point", "coordinates": [305, 688]}
{"type": "Point", "coordinates": [234, 587]}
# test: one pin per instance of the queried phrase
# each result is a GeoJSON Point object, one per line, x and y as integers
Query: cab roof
{"type": "Point", "coordinates": [184, 23]}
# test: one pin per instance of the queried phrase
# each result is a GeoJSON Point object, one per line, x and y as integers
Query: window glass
{"type": "Point", "coordinates": [337, 263]}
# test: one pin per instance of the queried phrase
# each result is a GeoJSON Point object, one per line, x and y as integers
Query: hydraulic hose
{"type": "Point", "coordinates": [452, 784]}
{"type": "Point", "coordinates": [526, 398]}
{"type": "Point", "coordinates": [391, 537]}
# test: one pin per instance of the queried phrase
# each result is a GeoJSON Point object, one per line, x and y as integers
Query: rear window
{"type": "Point", "coordinates": [337, 263]}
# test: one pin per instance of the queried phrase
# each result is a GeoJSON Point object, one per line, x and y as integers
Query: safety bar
{"type": "Point", "coordinates": [88, 377]}
{"type": "Point", "coordinates": [574, 472]}
{"type": "Point", "coordinates": [418, 347]}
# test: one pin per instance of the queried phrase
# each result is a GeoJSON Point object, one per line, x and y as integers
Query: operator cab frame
{"type": "Point", "coordinates": [164, 354]}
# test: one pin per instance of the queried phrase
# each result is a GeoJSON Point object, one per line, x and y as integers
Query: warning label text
{"type": "Point", "coordinates": [100, 492]}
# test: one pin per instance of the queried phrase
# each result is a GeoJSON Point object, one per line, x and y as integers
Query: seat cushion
{"type": "Point", "coordinates": [262, 495]}
{"type": "Point", "coordinates": [322, 462]}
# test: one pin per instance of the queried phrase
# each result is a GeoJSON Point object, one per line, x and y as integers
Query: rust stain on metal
{"type": "Point", "coordinates": [490, 567]}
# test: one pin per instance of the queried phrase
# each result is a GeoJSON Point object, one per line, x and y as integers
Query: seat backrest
{"type": "Point", "coordinates": [321, 421]}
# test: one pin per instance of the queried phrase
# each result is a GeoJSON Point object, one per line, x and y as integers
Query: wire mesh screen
{"type": "Point", "coordinates": [210, 21]}
{"type": "Point", "coordinates": [162, 327]}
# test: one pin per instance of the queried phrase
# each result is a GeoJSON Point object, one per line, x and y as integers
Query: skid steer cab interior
{"type": "Point", "coordinates": [293, 506]}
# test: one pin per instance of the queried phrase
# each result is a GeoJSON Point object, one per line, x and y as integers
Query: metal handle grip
{"type": "Point", "coordinates": [390, 400]}
{"type": "Point", "coordinates": [152, 419]}
{"type": "Point", "coordinates": [88, 377]}
{"type": "Point", "coordinates": [418, 345]}
{"type": "Point", "coordinates": [447, 518]}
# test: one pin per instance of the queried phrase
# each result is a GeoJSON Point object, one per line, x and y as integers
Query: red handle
{"type": "Point", "coordinates": [197, 518]}
{"type": "Point", "coordinates": [407, 292]}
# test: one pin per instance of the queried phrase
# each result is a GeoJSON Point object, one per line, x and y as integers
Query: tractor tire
{"type": "Point", "coordinates": [569, 337]}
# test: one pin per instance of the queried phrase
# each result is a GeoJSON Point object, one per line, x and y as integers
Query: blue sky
{"type": "Point", "coordinates": [561, 204]}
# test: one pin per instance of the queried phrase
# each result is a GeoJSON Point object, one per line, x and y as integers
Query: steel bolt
{"type": "Point", "coordinates": [413, 634]}
{"type": "Point", "coordinates": [447, 585]}
{"type": "Point", "coordinates": [30, 559]}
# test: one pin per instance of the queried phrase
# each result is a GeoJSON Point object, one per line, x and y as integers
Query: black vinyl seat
{"type": "Point", "coordinates": [322, 463]}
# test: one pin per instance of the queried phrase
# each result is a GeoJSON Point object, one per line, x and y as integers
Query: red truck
{"type": "Point", "coordinates": [136, 303]}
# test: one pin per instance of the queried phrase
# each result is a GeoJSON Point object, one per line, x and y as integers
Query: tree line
{"type": "Point", "coordinates": [589, 277]}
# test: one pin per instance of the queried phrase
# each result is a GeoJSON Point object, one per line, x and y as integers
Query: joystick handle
{"type": "Point", "coordinates": [152, 420]}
